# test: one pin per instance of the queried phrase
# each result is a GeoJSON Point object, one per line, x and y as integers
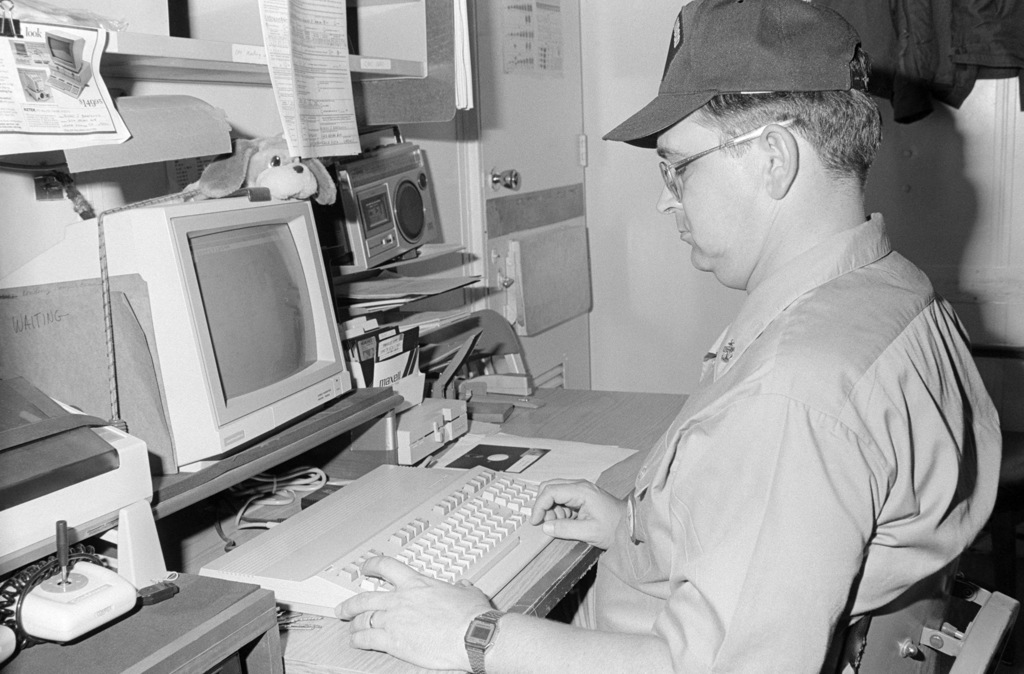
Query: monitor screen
{"type": "Point", "coordinates": [61, 50]}
{"type": "Point", "coordinates": [257, 306]}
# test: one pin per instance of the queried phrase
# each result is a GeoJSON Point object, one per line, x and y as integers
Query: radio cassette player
{"type": "Point", "coordinates": [385, 208]}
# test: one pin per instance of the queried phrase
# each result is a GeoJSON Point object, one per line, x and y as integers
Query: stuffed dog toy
{"type": "Point", "coordinates": [265, 162]}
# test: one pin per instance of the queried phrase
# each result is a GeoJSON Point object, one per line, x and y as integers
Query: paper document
{"type": "Point", "coordinates": [307, 54]}
{"type": "Point", "coordinates": [463, 58]}
{"type": "Point", "coordinates": [537, 459]}
{"type": "Point", "coordinates": [533, 39]}
{"type": "Point", "coordinates": [427, 251]}
{"type": "Point", "coordinates": [391, 286]}
{"type": "Point", "coordinates": [51, 94]}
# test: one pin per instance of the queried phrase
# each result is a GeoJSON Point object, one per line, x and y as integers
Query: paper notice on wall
{"type": "Point", "coordinates": [307, 54]}
{"type": "Point", "coordinates": [51, 94]}
{"type": "Point", "coordinates": [533, 39]}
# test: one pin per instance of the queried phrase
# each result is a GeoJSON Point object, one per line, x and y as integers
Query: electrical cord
{"type": "Point", "coordinates": [268, 489]}
{"type": "Point", "coordinates": [108, 318]}
{"type": "Point", "coordinates": [229, 543]}
{"type": "Point", "coordinates": [301, 479]}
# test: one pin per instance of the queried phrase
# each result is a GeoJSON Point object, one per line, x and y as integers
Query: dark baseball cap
{"type": "Point", "coordinates": [744, 46]}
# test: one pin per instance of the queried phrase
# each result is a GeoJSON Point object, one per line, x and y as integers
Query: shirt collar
{"type": "Point", "coordinates": [847, 251]}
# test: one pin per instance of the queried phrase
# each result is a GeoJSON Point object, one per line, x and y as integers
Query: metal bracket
{"type": "Point", "coordinates": [947, 639]}
{"type": "Point", "coordinates": [48, 188]}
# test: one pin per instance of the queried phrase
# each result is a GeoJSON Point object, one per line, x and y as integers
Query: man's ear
{"type": "Point", "coordinates": [783, 160]}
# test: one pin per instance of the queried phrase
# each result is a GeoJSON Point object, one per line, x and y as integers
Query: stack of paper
{"type": "Point", "coordinates": [390, 291]}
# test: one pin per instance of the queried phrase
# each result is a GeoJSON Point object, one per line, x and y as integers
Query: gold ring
{"type": "Point", "coordinates": [370, 621]}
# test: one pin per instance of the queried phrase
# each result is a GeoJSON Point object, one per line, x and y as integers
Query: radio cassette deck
{"type": "Point", "coordinates": [385, 208]}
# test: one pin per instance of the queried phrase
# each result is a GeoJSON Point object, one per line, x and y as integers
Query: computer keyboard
{"type": "Point", "coordinates": [445, 523]}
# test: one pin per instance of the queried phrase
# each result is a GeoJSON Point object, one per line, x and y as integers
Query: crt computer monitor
{"type": "Point", "coordinates": [66, 50]}
{"type": "Point", "coordinates": [243, 318]}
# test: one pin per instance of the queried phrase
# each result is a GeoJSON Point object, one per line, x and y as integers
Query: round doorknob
{"type": "Point", "coordinates": [509, 179]}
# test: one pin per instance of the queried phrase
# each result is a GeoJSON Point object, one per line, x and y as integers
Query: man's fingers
{"type": "Point", "coordinates": [381, 566]}
{"type": "Point", "coordinates": [365, 620]}
{"type": "Point", "coordinates": [390, 569]}
{"type": "Point", "coordinates": [553, 493]}
{"type": "Point", "coordinates": [364, 602]}
{"type": "Point", "coordinates": [560, 513]}
{"type": "Point", "coordinates": [370, 640]}
{"type": "Point", "coordinates": [573, 530]}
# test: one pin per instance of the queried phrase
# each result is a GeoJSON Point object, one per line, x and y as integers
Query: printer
{"type": "Point", "coordinates": [58, 465]}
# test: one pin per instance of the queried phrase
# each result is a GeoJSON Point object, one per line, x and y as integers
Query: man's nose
{"type": "Point", "coordinates": [667, 202]}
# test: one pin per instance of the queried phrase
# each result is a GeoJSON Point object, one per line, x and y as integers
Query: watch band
{"type": "Point", "coordinates": [480, 637]}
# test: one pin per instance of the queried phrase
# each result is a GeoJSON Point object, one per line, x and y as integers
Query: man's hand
{"type": "Point", "coordinates": [423, 621]}
{"type": "Point", "coordinates": [578, 510]}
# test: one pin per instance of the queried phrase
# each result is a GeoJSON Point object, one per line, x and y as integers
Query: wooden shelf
{"type": "Point", "coordinates": [171, 493]}
{"type": "Point", "coordinates": [176, 59]}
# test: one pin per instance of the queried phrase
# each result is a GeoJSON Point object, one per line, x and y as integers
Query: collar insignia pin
{"type": "Point", "coordinates": [727, 350]}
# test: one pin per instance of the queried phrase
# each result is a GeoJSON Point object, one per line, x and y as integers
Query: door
{"type": "Point", "coordinates": [528, 133]}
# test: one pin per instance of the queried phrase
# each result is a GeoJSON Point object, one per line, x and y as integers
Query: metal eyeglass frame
{"type": "Point", "coordinates": [670, 172]}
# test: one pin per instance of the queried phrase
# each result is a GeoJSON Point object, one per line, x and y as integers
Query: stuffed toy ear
{"type": "Point", "coordinates": [326, 191]}
{"type": "Point", "coordinates": [226, 175]}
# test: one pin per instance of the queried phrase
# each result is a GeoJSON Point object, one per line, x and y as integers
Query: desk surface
{"type": "Point", "coordinates": [630, 420]}
{"type": "Point", "coordinates": [193, 631]}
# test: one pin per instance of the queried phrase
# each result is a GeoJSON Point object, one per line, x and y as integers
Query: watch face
{"type": "Point", "coordinates": [480, 632]}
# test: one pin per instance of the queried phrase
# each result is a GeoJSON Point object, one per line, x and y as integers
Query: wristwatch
{"type": "Point", "coordinates": [480, 637]}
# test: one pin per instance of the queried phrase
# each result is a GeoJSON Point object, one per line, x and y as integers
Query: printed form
{"type": "Point", "coordinates": [307, 54]}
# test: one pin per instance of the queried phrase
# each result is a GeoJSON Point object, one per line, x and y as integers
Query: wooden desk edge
{"type": "Point", "coordinates": [251, 619]}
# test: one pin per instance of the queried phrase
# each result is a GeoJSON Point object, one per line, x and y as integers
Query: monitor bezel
{"type": "Point", "coordinates": [329, 356]}
{"type": "Point", "coordinates": [75, 47]}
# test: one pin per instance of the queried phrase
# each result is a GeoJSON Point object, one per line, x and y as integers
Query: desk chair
{"type": "Point", "coordinates": [1007, 514]}
{"type": "Point", "coordinates": [942, 624]}
{"type": "Point", "coordinates": [1009, 508]}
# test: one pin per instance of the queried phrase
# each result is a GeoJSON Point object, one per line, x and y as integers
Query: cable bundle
{"type": "Point", "coordinates": [272, 490]}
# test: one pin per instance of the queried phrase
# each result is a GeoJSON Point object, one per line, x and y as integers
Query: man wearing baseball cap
{"type": "Point", "coordinates": [841, 445]}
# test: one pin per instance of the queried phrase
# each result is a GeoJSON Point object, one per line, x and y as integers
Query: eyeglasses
{"type": "Point", "coordinates": [670, 172]}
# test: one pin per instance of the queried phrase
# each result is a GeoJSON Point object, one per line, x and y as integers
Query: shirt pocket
{"type": "Point", "coordinates": [667, 537]}
{"type": "Point", "coordinates": [686, 545]}
{"type": "Point", "coordinates": [641, 554]}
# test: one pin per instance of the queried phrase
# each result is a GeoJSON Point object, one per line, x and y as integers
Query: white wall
{"type": "Point", "coordinates": [654, 316]}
